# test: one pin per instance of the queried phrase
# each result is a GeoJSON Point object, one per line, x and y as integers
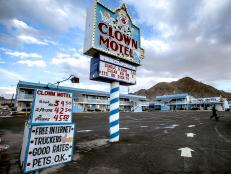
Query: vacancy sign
{"type": "Point", "coordinates": [51, 107]}
{"type": "Point", "coordinates": [49, 145]}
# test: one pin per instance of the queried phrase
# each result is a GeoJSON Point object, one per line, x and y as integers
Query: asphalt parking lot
{"type": "Point", "coordinates": [150, 142]}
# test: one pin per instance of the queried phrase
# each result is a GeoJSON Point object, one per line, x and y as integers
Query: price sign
{"type": "Point", "coordinates": [48, 145]}
{"type": "Point", "coordinates": [51, 107]}
{"type": "Point", "coordinates": [104, 68]}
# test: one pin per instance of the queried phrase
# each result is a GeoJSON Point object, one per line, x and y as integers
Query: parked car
{"type": "Point", "coordinates": [5, 112]}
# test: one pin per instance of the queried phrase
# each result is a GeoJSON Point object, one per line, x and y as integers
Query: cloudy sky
{"type": "Point", "coordinates": [42, 41]}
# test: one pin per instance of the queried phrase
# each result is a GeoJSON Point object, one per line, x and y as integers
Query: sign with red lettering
{"type": "Point", "coordinates": [48, 145]}
{"type": "Point", "coordinates": [113, 33]}
{"type": "Point", "coordinates": [51, 107]}
{"type": "Point", "coordinates": [107, 70]}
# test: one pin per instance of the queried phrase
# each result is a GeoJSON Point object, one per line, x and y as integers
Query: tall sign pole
{"type": "Point", "coordinates": [113, 42]}
{"type": "Point", "coordinates": [114, 112]}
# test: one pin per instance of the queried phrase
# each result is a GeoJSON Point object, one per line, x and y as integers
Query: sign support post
{"type": "Point", "coordinates": [114, 112]}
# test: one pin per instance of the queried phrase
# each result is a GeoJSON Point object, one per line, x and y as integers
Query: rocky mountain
{"type": "Point", "coordinates": [184, 85]}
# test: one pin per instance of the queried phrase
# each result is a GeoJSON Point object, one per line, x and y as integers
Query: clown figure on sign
{"type": "Point", "coordinates": [123, 23]}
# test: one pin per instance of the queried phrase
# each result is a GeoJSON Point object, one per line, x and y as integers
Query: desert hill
{"type": "Point", "coordinates": [184, 85]}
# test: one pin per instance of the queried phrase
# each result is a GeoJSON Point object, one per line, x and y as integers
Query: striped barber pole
{"type": "Point", "coordinates": [114, 112]}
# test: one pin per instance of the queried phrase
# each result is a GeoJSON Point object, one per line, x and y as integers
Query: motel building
{"type": "Point", "coordinates": [187, 102]}
{"type": "Point", "coordinates": [85, 100]}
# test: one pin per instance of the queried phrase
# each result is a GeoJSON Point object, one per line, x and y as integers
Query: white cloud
{"type": "Point", "coordinates": [30, 40]}
{"type": "Point", "coordinates": [222, 85]}
{"type": "Point", "coordinates": [157, 45]}
{"type": "Point", "coordinates": [7, 92]}
{"type": "Point", "coordinates": [76, 60]}
{"type": "Point", "coordinates": [33, 63]}
{"type": "Point", "coordinates": [50, 42]}
{"type": "Point", "coordinates": [80, 51]}
{"type": "Point", "coordinates": [26, 58]}
{"type": "Point", "coordinates": [74, 50]}
{"type": "Point", "coordinates": [56, 74]}
{"type": "Point", "coordinates": [211, 7]}
{"type": "Point", "coordinates": [147, 79]}
{"type": "Point", "coordinates": [10, 74]}
{"type": "Point", "coordinates": [92, 85]}
{"type": "Point", "coordinates": [1, 61]}
{"type": "Point", "coordinates": [52, 14]}
{"type": "Point", "coordinates": [190, 38]}
{"type": "Point", "coordinates": [156, 15]}
{"type": "Point", "coordinates": [3, 49]}
{"type": "Point", "coordinates": [22, 33]}
{"type": "Point", "coordinates": [22, 54]}
{"type": "Point", "coordinates": [20, 25]}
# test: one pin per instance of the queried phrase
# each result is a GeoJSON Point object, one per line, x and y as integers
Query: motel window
{"type": "Point", "coordinates": [91, 96]}
{"type": "Point", "coordinates": [124, 99]}
{"type": "Point", "coordinates": [28, 104]}
{"type": "Point", "coordinates": [30, 92]}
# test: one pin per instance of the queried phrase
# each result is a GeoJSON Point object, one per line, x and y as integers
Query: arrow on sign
{"type": "Point", "coordinates": [186, 152]}
{"type": "Point", "coordinates": [190, 134]}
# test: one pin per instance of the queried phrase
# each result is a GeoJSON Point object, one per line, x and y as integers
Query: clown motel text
{"type": "Point", "coordinates": [49, 145]}
{"type": "Point", "coordinates": [116, 40]}
{"type": "Point", "coordinates": [52, 107]}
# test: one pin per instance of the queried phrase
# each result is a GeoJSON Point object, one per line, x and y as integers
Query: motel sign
{"type": "Point", "coordinates": [113, 33]}
{"type": "Point", "coordinates": [113, 42]}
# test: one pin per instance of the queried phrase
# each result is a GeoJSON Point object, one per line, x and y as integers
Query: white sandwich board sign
{"type": "Point", "coordinates": [49, 134]}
